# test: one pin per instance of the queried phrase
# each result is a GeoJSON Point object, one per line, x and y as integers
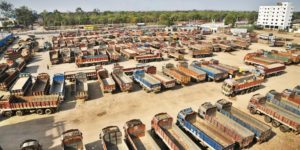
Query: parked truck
{"type": "Point", "coordinates": [287, 55]}
{"type": "Point", "coordinates": [261, 130]}
{"type": "Point", "coordinates": [272, 69]}
{"type": "Point", "coordinates": [278, 58]}
{"type": "Point", "coordinates": [199, 51]}
{"type": "Point", "coordinates": [236, 131]}
{"type": "Point", "coordinates": [124, 82]}
{"type": "Point", "coordinates": [292, 95]}
{"type": "Point", "coordinates": [277, 99]}
{"type": "Point", "coordinates": [165, 81]}
{"type": "Point", "coordinates": [279, 117]}
{"type": "Point", "coordinates": [211, 73]}
{"type": "Point", "coordinates": [195, 74]}
{"type": "Point", "coordinates": [58, 85]}
{"type": "Point", "coordinates": [111, 138]}
{"type": "Point", "coordinates": [91, 60]}
{"type": "Point", "coordinates": [162, 126]}
{"type": "Point", "coordinates": [156, 56]}
{"type": "Point", "coordinates": [174, 73]}
{"type": "Point", "coordinates": [208, 135]}
{"type": "Point", "coordinates": [18, 105]}
{"type": "Point", "coordinates": [243, 84]}
{"type": "Point", "coordinates": [81, 86]}
{"type": "Point", "coordinates": [72, 140]}
{"type": "Point", "coordinates": [135, 134]}
{"type": "Point", "coordinates": [257, 59]}
{"type": "Point", "coordinates": [113, 55]}
{"type": "Point", "coordinates": [41, 85]}
{"type": "Point", "coordinates": [107, 84]}
{"type": "Point", "coordinates": [147, 82]}
{"type": "Point", "coordinates": [8, 78]}
{"type": "Point", "coordinates": [22, 85]}
{"type": "Point", "coordinates": [30, 144]}
{"type": "Point", "coordinates": [232, 70]}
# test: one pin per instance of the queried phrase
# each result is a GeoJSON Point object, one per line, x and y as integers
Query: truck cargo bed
{"type": "Point", "coordinates": [283, 112]}
{"type": "Point", "coordinates": [151, 79]}
{"type": "Point", "coordinates": [212, 132]}
{"type": "Point", "coordinates": [145, 143]}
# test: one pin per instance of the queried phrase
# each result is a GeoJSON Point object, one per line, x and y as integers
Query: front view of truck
{"type": "Point", "coordinates": [228, 87]}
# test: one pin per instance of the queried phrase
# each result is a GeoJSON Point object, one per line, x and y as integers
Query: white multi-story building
{"type": "Point", "coordinates": [276, 17]}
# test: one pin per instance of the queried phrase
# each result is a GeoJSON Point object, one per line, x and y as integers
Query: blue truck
{"type": "Point", "coordinates": [277, 99]}
{"type": "Point", "coordinates": [261, 130]}
{"type": "Point", "coordinates": [58, 85]}
{"type": "Point", "coordinates": [209, 136]}
{"type": "Point", "coordinates": [212, 73]}
{"type": "Point", "coordinates": [147, 82]}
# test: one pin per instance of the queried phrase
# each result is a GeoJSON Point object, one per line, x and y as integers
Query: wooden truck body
{"type": "Point", "coordinates": [195, 74]}
{"type": "Point", "coordinates": [166, 81]}
{"type": "Point", "coordinates": [179, 76]}
{"type": "Point", "coordinates": [22, 84]}
{"type": "Point", "coordinates": [279, 117]}
{"type": "Point", "coordinates": [124, 82]}
{"type": "Point", "coordinates": [111, 138]}
{"type": "Point", "coordinates": [19, 105]}
{"type": "Point", "coordinates": [81, 86]}
{"type": "Point", "coordinates": [107, 84]}
{"type": "Point", "coordinates": [7, 78]}
{"type": "Point", "coordinates": [41, 85]}
{"type": "Point", "coordinates": [72, 139]}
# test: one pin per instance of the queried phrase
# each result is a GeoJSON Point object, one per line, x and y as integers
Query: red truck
{"type": "Point", "coordinates": [162, 126]}
{"type": "Point", "coordinates": [291, 95]}
{"type": "Point", "coordinates": [156, 56]}
{"type": "Point", "coordinates": [232, 70]}
{"type": "Point", "coordinates": [124, 82]}
{"type": "Point", "coordinates": [136, 137]}
{"type": "Point", "coordinates": [195, 74]}
{"type": "Point", "coordinates": [166, 81]}
{"type": "Point", "coordinates": [107, 84]}
{"type": "Point", "coordinates": [18, 105]}
{"type": "Point", "coordinates": [41, 85]}
{"type": "Point", "coordinates": [179, 76]}
{"type": "Point", "coordinates": [72, 139]}
{"type": "Point", "coordinates": [82, 61]}
{"type": "Point", "coordinates": [111, 139]}
{"type": "Point", "coordinates": [279, 117]}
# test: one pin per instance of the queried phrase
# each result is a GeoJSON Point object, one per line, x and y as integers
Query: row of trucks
{"type": "Point", "coordinates": [268, 66]}
{"type": "Point", "coordinates": [220, 127]}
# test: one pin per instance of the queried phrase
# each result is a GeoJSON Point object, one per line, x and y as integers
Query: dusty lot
{"type": "Point", "coordinates": [104, 110]}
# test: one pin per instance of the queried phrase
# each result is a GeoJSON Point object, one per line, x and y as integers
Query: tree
{"type": "Point", "coordinates": [7, 9]}
{"type": "Point", "coordinates": [25, 16]}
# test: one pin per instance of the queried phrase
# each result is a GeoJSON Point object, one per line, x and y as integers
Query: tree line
{"type": "Point", "coordinates": [26, 16]}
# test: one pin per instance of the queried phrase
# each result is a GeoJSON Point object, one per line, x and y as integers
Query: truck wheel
{"type": "Point", "coordinates": [48, 111]}
{"type": "Point", "coordinates": [252, 111]}
{"type": "Point", "coordinates": [39, 111]}
{"type": "Point", "coordinates": [284, 128]}
{"type": "Point", "coordinates": [19, 113]}
{"type": "Point", "coordinates": [267, 119]}
{"type": "Point", "coordinates": [275, 123]}
{"type": "Point", "coordinates": [8, 113]}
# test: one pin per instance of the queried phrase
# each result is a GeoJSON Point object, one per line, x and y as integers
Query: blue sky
{"type": "Point", "coordinates": [146, 5]}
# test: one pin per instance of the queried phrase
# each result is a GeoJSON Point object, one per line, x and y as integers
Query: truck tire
{"type": "Point", "coordinates": [19, 113]}
{"type": "Point", "coordinates": [284, 128]}
{"type": "Point", "coordinates": [252, 111]}
{"type": "Point", "coordinates": [275, 123]}
{"type": "Point", "coordinates": [267, 119]}
{"type": "Point", "coordinates": [48, 111]}
{"type": "Point", "coordinates": [40, 111]}
{"type": "Point", "coordinates": [8, 113]}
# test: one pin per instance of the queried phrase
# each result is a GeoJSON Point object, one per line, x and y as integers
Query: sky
{"type": "Point", "coordinates": [146, 5]}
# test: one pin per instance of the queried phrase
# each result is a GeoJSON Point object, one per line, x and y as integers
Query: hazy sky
{"type": "Point", "coordinates": [144, 5]}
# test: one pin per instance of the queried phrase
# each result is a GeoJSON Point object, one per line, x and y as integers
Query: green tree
{"type": "Point", "coordinates": [7, 9]}
{"type": "Point", "coordinates": [25, 16]}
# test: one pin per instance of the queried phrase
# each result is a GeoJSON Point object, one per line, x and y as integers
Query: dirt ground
{"type": "Point", "coordinates": [102, 110]}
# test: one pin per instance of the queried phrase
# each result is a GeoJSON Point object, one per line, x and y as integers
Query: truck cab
{"type": "Point", "coordinates": [228, 87]}
{"type": "Point", "coordinates": [207, 109]}
{"type": "Point", "coordinates": [30, 144]}
{"type": "Point", "coordinates": [72, 140]}
{"type": "Point", "coordinates": [184, 114]}
{"type": "Point", "coordinates": [223, 104]}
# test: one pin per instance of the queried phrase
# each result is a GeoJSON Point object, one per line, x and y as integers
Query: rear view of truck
{"type": "Point", "coordinates": [237, 132]}
{"type": "Point", "coordinates": [72, 140]}
{"type": "Point", "coordinates": [172, 72]}
{"type": "Point", "coordinates": [107, 84]}
{"type": "Point", "coordinates": [232, 70]}
{"type": "Point", "coordinates": [111, 139]}
{"type": "Point", "coordinates": [135, 134]}
{"type": "Point", "coordinates": [81, 86]}
{"type": "Point", "coordinates": [147, 82]}
{"type": "Point", "coordinates": [208, 135]}
{"type": "Point", "coordinates": [30, 144]}
{"type": "Point", "coordinates": [8, 78]}
{"type": "Point", "coordinates": [41, 85]}
{"type": "Point", "coordinates": [261, 130]}
{"type": "Point", "coordinates": [162, 126]}
{"type": "Point", "coordinates": [196, 75]}
{"type": "Point", "coordinates": [58, 85]}
{"type": "Point", "coordinates": [124, 82]}
{"type": "Point", "coordinates": [279, 117]}
{"type": "Point", "coordinates": [212, 74]}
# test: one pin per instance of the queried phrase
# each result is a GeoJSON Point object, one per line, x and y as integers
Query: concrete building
{"type": "Point", "coordinates": [276, 17]}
